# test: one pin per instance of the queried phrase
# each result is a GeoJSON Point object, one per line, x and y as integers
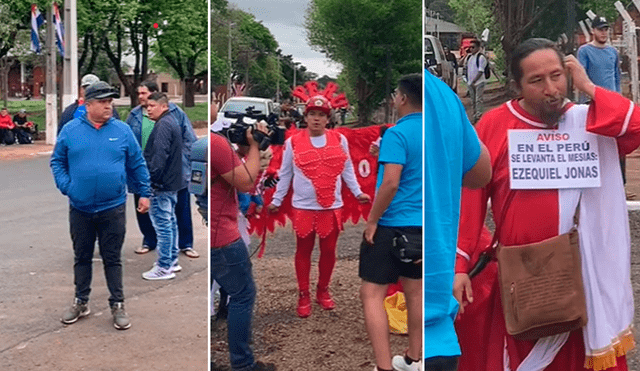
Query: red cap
{"type": "Point", "coordinates": [320, 103]}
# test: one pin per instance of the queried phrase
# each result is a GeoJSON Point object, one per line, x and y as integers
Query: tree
{"type": "Point", "coordinates": [602, 7]}
{"type": "Point", "coordinates": [442, 7]}
{"type": "Point", "coordinates": [182, 42]}
{"type": "Point", "coordinates": [474, 15]}
{"type": "Point", "coordinates": [255, 53]}
{"type": "Point", "coordinates": [118, 28]}
{"type": "Point", "coordinates": [375, 41]}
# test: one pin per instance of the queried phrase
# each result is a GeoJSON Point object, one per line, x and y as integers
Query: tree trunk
{"type": "Point", "coordinates": [363, 93]}
{"type": "Point", "coordinates": [188, 98]}
{"type": "Point", "coordinates": [4, 80]}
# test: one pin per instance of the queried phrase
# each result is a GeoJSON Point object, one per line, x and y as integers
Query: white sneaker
{"type": "Point", "coordinates": [158, 273]}
{"type": "Point", "coordinates": [176, 267]}
{"type": "Point", "coordinates": [400, 364]}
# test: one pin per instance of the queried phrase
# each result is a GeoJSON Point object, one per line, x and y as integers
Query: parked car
{"type": "Point", "coordinates": [436, 62]}
{"type": "Point", "coordinates": [239, 105]}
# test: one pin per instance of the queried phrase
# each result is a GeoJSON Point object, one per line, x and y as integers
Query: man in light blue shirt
{"type": "Point", "coordinates": [600, 60]}
{"type": "Point", "coordinates": [453, 157]}
{"type": "Point", "coordinates": [397, 207]}
{"type": "Point", "coordinates": [602, 63]}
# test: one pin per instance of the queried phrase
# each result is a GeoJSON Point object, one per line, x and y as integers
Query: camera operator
{"type": "Point", "coordinates": [230, 263]}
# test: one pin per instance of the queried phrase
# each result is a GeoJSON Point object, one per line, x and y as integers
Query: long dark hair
{"type": "Point", "coordinates": [527, 48]}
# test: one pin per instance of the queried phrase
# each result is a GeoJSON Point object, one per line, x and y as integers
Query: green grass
{"type": "Point", "coordinates": [36, 111]}
{"type": "Point", "coordinates": [200, 112]}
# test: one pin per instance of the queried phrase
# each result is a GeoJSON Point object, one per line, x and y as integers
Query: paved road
{"type": "Point", "coordinates": [169, 318]}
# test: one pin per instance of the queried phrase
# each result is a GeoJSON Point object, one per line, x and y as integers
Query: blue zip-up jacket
{"type": "Point", "coordinates": [188, 136]}
{"type": "Point", "coordinates": [91, 166]}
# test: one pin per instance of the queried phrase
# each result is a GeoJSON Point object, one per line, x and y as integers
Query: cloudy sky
{"type": "Point", "coordinates": [285, 19]}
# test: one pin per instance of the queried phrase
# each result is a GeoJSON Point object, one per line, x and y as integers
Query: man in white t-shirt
{"type": "Point", "coordinates": [476, 63]}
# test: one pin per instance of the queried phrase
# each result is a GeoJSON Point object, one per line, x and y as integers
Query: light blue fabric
{"type": "Point", "coordinates": [451, 148]}
{"type": "Point", "coordinates": [602, 65]}
{"type": "Point", "coordinates": [402, 145]}
{"type": "Point", "coordinates": [162, 210]}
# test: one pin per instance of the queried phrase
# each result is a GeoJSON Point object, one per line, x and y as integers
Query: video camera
{"type": "Point", "coordinates": [237, 131]}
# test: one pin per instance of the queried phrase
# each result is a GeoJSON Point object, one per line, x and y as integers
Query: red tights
{"type": "Point", "coordinates": [304, 248]}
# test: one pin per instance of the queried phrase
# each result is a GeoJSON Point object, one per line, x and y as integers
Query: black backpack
{"type": "Point", "coordinates": [24, 137]}
{"type": "Point", "coordinates": [487, 69]}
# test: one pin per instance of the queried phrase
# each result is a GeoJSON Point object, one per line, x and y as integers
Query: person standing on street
{"type": "Point", "coordinates": [230, 261]}
{"type": "Point", "coordinates": [397, 206]}
{"type": "Point", "coordinates": [91, 160]}
{"type": "Point", "coordinates": [476, 64]}
{"type": "Point", "coordinates": [141, 125]}
{"type": "Point", "coordinates": [540, 211]}
{"type": "Point", "coordinates": [315, 162]}
{"type": "Point", "coordinates": [602, 63]}
{"type": "Point", "coordinates": [163, 153]}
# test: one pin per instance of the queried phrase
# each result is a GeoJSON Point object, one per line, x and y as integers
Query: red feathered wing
{"type": "Point", "coordinates": [364, 164]}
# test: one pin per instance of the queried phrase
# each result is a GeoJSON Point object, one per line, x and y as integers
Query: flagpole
{"type": "Point", "coordinates": [70, 87]}
{"type": "Point", "coordinates": [52, 72]}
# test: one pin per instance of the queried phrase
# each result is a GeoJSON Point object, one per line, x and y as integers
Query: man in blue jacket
{"type": "Point", "coordinates": [141, 125]}
{"type": "Point", "coordinates": [93, 156]}
{"type": "Point", "coordinates": [163, 152]}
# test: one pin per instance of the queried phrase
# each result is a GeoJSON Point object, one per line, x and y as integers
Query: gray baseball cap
{"type": "Point", "coordinates": [100, 90]}
{"type": "Point", "coordinates": [88, 80]}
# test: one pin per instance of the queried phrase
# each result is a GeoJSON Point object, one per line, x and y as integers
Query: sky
{"type": "Point", "coordinates": [285, 20]}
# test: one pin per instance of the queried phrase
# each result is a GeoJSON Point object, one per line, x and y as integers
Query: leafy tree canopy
{"type": "Point", "coordinates": [375, 40]}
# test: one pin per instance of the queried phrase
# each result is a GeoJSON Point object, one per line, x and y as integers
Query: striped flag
{"type": "Point", "coordinates": [57, 23]}
{"type": "Point", "coordinates": [36, 21]}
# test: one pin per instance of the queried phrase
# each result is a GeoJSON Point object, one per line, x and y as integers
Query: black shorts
{"type": "Point", "coordinates": [379, 265]}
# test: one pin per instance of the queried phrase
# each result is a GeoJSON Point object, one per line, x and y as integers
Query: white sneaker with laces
{"type": "Point", "coordinates": [158, 273]}
{"type": "Point", "coordinates": [399, 363]}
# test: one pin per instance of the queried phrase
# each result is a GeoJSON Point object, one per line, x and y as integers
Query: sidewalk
{"type": "Point", "coordinates": [40, 148]}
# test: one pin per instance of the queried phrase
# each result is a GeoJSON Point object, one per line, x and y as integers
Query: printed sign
{"type": "Point", "coordinates": [553, 159]}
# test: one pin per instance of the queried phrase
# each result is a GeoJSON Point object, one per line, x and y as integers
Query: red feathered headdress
{"type": "Point", "coordinates": [310, 89]}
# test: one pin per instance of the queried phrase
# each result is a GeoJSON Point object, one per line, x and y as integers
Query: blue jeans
{"type": "Point", "coordinates": [231, 268]}
{"type": "Point", "coordinates": [183, 215]}
{"type": "Point", "coordinates": [163, 217]}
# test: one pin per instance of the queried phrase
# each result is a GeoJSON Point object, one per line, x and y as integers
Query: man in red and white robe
{"type": "Point", "coordinates": [540, 72]}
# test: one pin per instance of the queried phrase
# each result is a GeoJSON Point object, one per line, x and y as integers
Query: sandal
{"type": "Point", "coordinates": [142, 250]}
{"type": "Point", "coordinates": [191, 253]}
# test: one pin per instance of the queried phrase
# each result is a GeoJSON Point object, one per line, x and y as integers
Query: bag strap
{"type": "Point", "coordinates": [486, 256]}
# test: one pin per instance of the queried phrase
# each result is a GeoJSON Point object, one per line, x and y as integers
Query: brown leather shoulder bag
{"type": "Point", "coordinates": [541, 284]}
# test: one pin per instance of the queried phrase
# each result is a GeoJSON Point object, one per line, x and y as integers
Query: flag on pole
{"type": "Point", "coordinates": [57, 23]}
{"type": "Point", "coordinates": [36, 21]}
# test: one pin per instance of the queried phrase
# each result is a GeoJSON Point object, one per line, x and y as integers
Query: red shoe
{"type": "Point", "coordinates": [304, 304]}
{"type": "Point", "coordinates": [323, 297]}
